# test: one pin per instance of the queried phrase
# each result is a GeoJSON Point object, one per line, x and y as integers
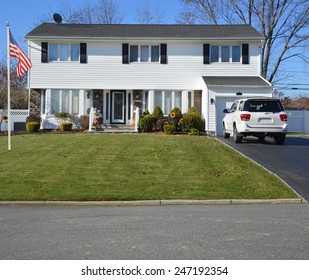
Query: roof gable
{"type": "Point", "coordinates": [114, 31]}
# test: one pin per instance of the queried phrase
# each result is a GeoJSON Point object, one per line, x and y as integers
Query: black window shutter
{"type": "Point", "coordinates": [44, 52]}
{"type": "Point", "coordinates": [83, 53]}
{"type": "Point", "coordinates": [125, 53]}
{"type": "Point", "coordinates": [245, 53]}
{"type": "Point", "coordinates": [206, 54]}
{"type": "Point", "coordinates": [163, 53]}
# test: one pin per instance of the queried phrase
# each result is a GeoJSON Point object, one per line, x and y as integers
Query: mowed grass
{"type": "Point", "coordinates": [85, 167]}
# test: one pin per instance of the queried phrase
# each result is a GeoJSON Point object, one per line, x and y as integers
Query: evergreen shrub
{"type": "Point", "coordinates": [32, 126]}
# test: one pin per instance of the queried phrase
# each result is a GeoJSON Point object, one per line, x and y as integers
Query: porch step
{"type": "Point", "coordinates": [117, 128]}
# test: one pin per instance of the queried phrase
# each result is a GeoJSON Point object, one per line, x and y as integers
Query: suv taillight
{"type": "Point", "coordinates": [284, 117]}
{"type": "Point", "coordinates": [245, 117]}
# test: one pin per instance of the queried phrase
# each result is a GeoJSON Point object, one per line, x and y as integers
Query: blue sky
{"type": "Point", "coordinates": [24, 14]}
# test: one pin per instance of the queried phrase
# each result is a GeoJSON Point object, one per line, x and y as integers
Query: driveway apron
{"type": "Point", "coordinates": [289, 161]}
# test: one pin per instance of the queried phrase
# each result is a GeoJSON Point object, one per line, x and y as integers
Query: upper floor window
{"type": "Point", "coordinates": [225, 53]}
{"type": "Point", "coordinates": [64, 52]}
{"type": "Point", "coordinates": [144, 53]}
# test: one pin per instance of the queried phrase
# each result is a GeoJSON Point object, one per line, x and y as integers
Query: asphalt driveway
{"type": "Point", "coordinates": [289, 161]}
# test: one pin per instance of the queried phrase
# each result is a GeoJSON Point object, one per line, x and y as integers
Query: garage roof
{"type": "Point", "coordinates": [228, 81]}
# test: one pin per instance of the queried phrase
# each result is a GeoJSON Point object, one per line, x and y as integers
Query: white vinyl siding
{"type": "Point", "coordinates": [104, 69]}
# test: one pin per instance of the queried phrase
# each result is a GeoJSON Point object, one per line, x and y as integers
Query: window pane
{"type": "Point", "coordinates": [53, 52]}
{"type": "Point", "coordinates": [75, 52]}
{"type": "Point", "coordinates": [225, 54]}
{"type": "Point", "coordinates": [236, 53]}
{"type": "Point", "coordinates": [65, 101]}
{"type": "Point", "coordinates": [55, 104]}
{"type": "Point", "coordinates": [133, 53]}
{"type": "Point", "coordinates": [214, 53]}
{"type": "Point", "coordinates": [155, 54]}
{"type": "Point", "coordinates": [168, 102]}
{"type": "Point", "coordinates": [158, 99]}
{"type": "Point", "coordinates": [64, 52]}
{"type": "Point", "coordinates": [144, 53]}
{"type": "Point", "coordinates": [75, 102]}
{"type": "Point", "coordinates": [178, 102]}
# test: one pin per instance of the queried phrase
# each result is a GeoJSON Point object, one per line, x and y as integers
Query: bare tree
{"type": "Point", "coordinates": [147, 15]}
{"type": "Point", "coordinates": [283, 24]}
{"type": "Point", "coordinates": [108, 12]}
{"type": "Point", "coordinates": [19, 94]}
{"type": "Point", "coordinates": [101, 12]}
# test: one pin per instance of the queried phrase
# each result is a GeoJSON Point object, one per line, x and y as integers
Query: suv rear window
{"type": "Point", "coordinates": [273, 106]}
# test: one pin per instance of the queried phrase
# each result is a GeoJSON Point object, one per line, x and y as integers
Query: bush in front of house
{"type": "Point", "coordinates": [192, 120]}
{"type": "Point", "coordinates": [157, 113]}
{"type": "Point", "coordinates": [32, 126]}
{"type": "Point", "coordinates": [66, 126]}
{"type": "Point", "coordinates": [175, 118]}
{"type": "Point", "coordinates": [169, 128]}
{"type": "Point", "coordinates": [146, 123]}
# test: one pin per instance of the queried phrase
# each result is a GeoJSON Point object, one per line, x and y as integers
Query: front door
{"type": "Point", "coordinates": [118, 104]}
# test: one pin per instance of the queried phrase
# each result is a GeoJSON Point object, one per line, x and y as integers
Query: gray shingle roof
{"type": "Point", "coordinates": [53, 30]}
{"type": "Point", "coordinates": [250, 81]}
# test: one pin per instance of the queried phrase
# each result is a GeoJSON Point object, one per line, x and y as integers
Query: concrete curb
{"type": "Point", "coordinates": [155, 202]}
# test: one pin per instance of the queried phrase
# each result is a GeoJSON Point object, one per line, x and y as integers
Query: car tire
{"type": "Point", "coordinates": [225, 134]}
{"type": "Point", "coordinates": [279, 139]}
{"type": "Point", "coordinates": [237, 137]}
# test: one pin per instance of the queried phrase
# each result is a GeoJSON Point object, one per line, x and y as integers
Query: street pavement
{"type": "Point", "coordinates": [289, 161]}
{"type": "Point", "coordinates": [155, 232]}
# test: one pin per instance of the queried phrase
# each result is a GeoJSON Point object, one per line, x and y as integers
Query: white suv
{"type": "Point", "coordinates": [258, 117]}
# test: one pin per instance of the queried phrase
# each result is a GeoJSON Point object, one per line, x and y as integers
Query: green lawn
{"type": "Point", "coordinates": [129, 167]}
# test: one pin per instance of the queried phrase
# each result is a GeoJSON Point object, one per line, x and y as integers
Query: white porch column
{"type": "Point", "coordinates": [184, 101]}
{"type": "Point", "coordinates": [151, 101]}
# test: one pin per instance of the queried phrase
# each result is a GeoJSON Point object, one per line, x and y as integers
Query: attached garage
{"type": "Point", "coordinates": [224, 90]}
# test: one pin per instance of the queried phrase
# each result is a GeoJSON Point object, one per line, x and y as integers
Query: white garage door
{"type": "Point", "coordinates": [221, 104]}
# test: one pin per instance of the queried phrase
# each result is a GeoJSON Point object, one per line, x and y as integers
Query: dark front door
{"type": "Point", "coordinates": [118, 105]}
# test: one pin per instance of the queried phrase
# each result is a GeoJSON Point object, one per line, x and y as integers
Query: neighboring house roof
{"type": "Point", "coordinates": [230, 81]}
{"type": "Point", "coordinates": [172, 31]}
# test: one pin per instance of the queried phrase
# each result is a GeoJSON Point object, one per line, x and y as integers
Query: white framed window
{"type": "Point", "coordinates": [214, 53]}
{"type": "Point", "coordinates": [63, 52]}
{"type": "Point", "coordinates": [225, 53]}
{"type": "Point", "coordinates": [235, 53]}
{"type": "Point", "coordinates": [145, 53]}
{"type": "Point", "coordinates": [64, 100]}
{"type": "Point", "coordinates": [133, 53]}
{"type": "Point", "coordinates": [155, 53]}
{"type": "Point", "coordinates": [167, 100]}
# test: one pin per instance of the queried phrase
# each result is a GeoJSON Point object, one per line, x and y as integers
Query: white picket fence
{"type": "Point", "coordinates": [18, 118]}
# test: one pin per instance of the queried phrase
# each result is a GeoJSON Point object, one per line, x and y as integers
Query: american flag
{"type": "Point", "coordinates": [24, 63]}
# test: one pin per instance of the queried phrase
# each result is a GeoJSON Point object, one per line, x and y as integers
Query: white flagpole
{"type": "Point", "coordinates": [9, 85]}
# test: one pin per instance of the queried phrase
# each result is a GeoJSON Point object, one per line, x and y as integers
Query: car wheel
{"type": "Point", "coordinates": [237, 137]}
{"type": "Point", "coordinates": [225, 134]}
{"type": "Point", "coordinates": [279, 139]}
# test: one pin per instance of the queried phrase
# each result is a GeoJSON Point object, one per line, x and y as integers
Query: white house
{"type": "Point", "coordinates": [116, 68]}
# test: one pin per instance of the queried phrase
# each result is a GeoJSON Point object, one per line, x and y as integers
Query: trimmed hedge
{"type": "Point", "coordinates": [66, 126]}
{"type": "Point", "coordinates": [32, 126]}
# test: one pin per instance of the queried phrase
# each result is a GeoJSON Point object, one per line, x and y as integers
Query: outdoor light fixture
{"type": "Point", "coordinates": [238, 93]}
{"type": "Point", "coordinates": [212, 101]}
